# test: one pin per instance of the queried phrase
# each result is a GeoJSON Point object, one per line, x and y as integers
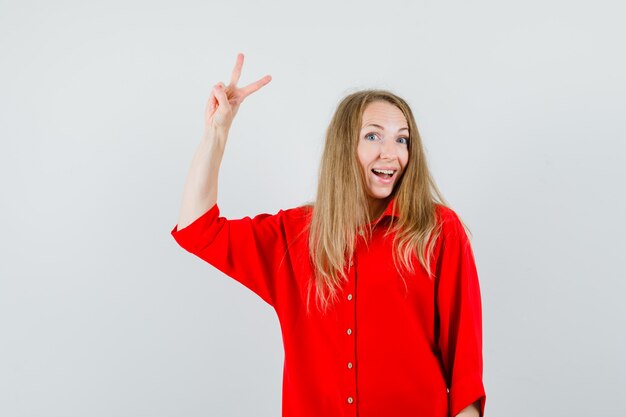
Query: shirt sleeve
{"type": "Point", "coordinates": [460, 318]}
{"type": "Point", "coordinates": [249, 250]}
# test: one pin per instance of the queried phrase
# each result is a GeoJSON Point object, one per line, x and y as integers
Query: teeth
{"type": "Point", "coordinates": [384, 171]}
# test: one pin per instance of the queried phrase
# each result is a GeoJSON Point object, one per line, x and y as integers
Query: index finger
{"type": "Point", "coordinates": [234, 78]}
{"type": "Point", "coordinates": [252, 87]}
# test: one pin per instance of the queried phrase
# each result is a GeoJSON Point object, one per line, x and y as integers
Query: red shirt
{"type": "Point", "coordinates": [384, 349]}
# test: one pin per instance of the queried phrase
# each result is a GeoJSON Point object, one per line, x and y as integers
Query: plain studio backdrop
{"type": "Point", "coordinates": [521, 109]}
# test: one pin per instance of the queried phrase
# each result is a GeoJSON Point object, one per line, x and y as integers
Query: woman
{"type": "Point", "coordinates": [374, 285]}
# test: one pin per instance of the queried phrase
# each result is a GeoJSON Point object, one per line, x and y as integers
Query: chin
{"type": "Point", "coordinates": [380, 194]}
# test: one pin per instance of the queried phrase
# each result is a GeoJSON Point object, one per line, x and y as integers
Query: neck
{"type": "Point", "coordinates": [377, 207]}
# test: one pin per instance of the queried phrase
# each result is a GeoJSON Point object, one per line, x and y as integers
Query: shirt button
{"type": "Point", "coordinates": [349, 297]}
{"type": "Point", "coordinates": [361, 233]}
{"type": "Point", "coordinates": [349, 365]}
{"type": "Point", "coordinates": [350, 400]}
{"type": "Point", "coordinates": [349, 331]}
{"type": "Point", "coordinates": [351, 263]}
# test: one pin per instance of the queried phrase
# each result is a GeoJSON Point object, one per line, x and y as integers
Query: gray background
{"type": "Point", "coordinates": [101, 105]}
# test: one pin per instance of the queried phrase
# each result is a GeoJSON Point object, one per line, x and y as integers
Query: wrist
{"type": "Point", "coordinates": [215, 134]}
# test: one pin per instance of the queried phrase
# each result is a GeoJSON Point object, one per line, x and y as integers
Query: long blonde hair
{"type": "Point", "coordinates": [341, 205]}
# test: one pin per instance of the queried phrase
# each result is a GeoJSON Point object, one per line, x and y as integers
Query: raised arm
{"type": "Point", "coordinates": [200, 191]}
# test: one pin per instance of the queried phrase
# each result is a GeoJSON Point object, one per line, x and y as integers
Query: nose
{"type": "Point", "coordinates": [388, 150]}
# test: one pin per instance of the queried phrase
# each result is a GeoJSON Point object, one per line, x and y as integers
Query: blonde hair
{"type": "Point", "coordinates": [341, 205]}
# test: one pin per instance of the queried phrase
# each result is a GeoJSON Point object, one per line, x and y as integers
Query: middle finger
{"type": "Point", "coordinates": [252, 87]}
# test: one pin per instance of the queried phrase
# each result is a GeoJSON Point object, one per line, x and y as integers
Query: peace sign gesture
{"type": "Point", "coordinates": [224, 100]}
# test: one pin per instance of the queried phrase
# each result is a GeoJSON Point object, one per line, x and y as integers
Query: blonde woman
{"type": "Point", "coordinates": [374, 284]}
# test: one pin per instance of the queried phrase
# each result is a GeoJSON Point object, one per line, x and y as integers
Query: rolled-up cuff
{"type": "Point", "coordinates": [466, 392]}
{"type": "Point", "coordinates": [194, 235]}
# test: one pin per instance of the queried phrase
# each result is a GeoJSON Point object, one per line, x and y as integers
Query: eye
{"type": "Point", "coordinates": [371, 136]}
{"type": "Point", "coordinates": [403, 141]}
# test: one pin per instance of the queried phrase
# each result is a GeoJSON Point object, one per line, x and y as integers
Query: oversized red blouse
{"type": "Point", "coordinates": [384, 349]}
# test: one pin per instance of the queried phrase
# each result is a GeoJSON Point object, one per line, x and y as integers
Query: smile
{"type": "Point", "coordinates": [384, 173]}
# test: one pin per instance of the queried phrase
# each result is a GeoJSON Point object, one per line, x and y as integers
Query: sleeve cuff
{"type": "Point", "coordinates": [189, 237]}
{"type": "Point", "coordinates": [466, 392]}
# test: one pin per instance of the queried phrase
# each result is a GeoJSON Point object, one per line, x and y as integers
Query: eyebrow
{"type": "Point", "coordinates": [382, 128]}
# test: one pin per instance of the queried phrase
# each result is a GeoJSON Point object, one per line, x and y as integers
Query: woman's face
{"type": "Point", "coordinates": [383, 148]}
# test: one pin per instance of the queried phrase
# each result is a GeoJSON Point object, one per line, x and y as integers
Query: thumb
{"type": "Point", "coordinates": [224, 114]}
{"type": "Point", "coordinates": [221, 97]}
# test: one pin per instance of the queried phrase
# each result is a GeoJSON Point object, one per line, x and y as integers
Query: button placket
{"type": "Point", "coordinates": [349, 323]}
{"type": "Point", "coordinates": [350, 334]}
{"type": "Point", "coordinates": [352, 309]}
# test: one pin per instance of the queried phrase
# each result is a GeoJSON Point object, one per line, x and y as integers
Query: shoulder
{"type": "Point", "coordinates": [303, 210]}
{"type": "Point", "coordinates": [300, 213]}
{"type": "Point", "coordinates": [287, 213]}
{"type": "Point", "coordinates": [446, 215]}
{"type": "Point", "coordinates": [292, 217]}
{"type": "Point", "coordinates": [450, 222]}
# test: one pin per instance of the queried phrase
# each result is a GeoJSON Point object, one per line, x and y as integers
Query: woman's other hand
{"type": "Point", "coordinates": [224, 100]}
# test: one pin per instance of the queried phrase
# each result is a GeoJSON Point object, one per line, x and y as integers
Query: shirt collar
{"type": "Point", "coordinates": [389, 210]}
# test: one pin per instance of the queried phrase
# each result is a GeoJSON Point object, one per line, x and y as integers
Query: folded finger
{"type": "Point", "coordinates": [211, 102]}
{"type": "Point", "coordinates": [220, 95]}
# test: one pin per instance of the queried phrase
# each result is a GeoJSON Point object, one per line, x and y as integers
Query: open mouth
{"type": "Point", "coordinates": [384, 173]}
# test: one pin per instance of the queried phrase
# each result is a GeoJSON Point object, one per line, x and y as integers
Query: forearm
{"type": "Point", "coordinates": [471, 410]}
{"type": "Point", "coordinates": [200, 191]}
